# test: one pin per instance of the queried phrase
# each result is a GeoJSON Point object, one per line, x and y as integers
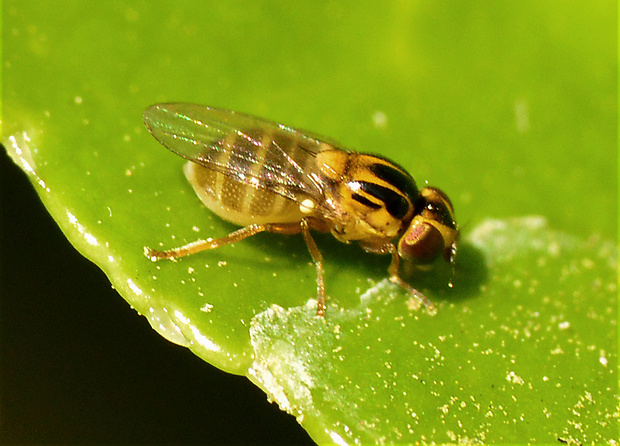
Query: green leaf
{"type": "Point", "coordinates": [511, 109]}
{"type": "Point", "coordinates": [490, 368]}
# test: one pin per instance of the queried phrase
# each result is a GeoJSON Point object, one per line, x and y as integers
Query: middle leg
{"type": "Point", "coordinates": [317, 258]}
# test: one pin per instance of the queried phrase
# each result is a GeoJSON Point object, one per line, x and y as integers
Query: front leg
{"type": "Point", "coordinates": [394, 272]}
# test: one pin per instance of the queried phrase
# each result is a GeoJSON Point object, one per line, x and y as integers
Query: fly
{"type": "Point", "coordinates": [267, 177]}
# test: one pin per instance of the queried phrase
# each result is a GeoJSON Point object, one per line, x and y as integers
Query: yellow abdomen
{"type": "Point", "coordinates": [240, 203]}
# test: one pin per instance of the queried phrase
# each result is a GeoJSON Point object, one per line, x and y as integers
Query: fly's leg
{"type": "Point", "coordinates": [317, 258]}
{"type": "Point", "coordinates": [249, 231]}
{"type": "Point", "coordinates": [393, 271]}
{"type": "Point", "coordinates": [201, 245]}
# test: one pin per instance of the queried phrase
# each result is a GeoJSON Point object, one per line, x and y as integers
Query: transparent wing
{"type": "Point", "coordinates": [248, 149]}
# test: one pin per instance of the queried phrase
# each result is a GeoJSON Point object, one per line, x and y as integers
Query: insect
{"type": "Point", "coordinates": [267, 177]}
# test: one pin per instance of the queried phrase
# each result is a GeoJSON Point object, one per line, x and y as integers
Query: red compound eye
{"type": "Point", "coordinates": [421, 244]}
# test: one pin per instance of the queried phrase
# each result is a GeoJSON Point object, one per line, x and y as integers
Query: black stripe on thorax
{"type": "Point", "coordinates": [397, 178]}
{"type": "Point", "coordinates": [365, 201]}
{"type": "Point", "coordinates": [396, 204]}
